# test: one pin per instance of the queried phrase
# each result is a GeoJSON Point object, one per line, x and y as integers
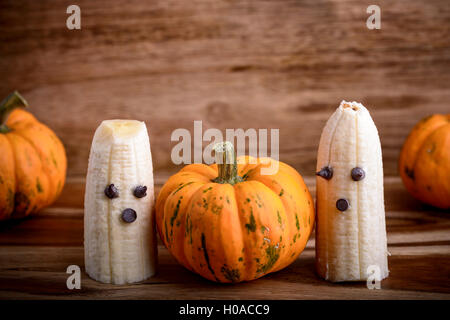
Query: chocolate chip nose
{"type": "Point", "coordinates": [129, 215]}
{"type": "Point", "coordinates": [342, 204]}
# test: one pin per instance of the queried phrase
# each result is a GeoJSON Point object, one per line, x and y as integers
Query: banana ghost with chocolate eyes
{"type": "Point", "coordinates": [119, 233]}
{"type": "Point", "coordinates": [351, 232]}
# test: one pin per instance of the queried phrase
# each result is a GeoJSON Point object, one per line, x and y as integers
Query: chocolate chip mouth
{"type": "Point", "coordinates": [342, 204]}
{"type": "Point", "coordinates": [129, 215]}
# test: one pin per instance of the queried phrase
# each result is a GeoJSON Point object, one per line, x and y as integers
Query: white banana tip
{"type": "Point", "coordinates": [121, 128]}
{"type": "Point", "coordinates": [355, 106]}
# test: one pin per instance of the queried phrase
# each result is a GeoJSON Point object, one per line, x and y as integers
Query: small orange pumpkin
{"type": "Point", "coordinates": [32, 161]}
{"type": "Point", "coordinates": [231, 223]}
{"type": "Point", "coordinates": [425, 161]}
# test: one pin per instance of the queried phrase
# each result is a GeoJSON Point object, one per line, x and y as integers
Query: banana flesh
{"type": "Point", "coordinates": [117, 251]}
{"type": "Point", "coordinates": [351, 230]}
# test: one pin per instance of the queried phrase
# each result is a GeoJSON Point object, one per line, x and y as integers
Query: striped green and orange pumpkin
{"type": "Point", "coordinates": [231, 223]}
{"type": "Point", "coordinates": [32, 161]}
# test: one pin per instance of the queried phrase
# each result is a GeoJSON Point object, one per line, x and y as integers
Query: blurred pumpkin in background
{"type": "Point", "coordinates": [425, 161]}
{"type": "Point", "coordinates": [231, 222]}
{"type": "Point", "coordinates": [32, 161]}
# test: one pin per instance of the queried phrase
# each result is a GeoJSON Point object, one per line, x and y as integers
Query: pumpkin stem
{"type": "Point", "coordinates": [226, 163]}
{"type": "Point", "coordinates": [14, 100]}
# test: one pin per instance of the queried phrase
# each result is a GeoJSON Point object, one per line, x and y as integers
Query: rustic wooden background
{"type": "Point", "coordinates": [283, 64]}
{"type": "Point", "coordinates": [233, 64]}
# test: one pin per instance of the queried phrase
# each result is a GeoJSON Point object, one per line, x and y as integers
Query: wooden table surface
{"type": "Point", "coordinates": [35, 253]}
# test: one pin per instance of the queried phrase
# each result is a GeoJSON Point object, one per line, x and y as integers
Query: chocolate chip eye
{"type": "Point", "coordinates": [358, 174]}
{"type": "Point", "coordinates": [342, 204]}
{"type": "Point", "coordinates": [140, 191]}
{"type": "Point", "coordinates": [111, 191]}
{"type": "Point", "coordinates": [325, 172]}
{"type": "Point", "coordinates": [129, 215]}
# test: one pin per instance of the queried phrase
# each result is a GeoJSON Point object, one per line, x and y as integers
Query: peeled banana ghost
{"type": "Point", "coordinates": [119, 237]}
{"type": "Point", "coordinates": [351, 232]}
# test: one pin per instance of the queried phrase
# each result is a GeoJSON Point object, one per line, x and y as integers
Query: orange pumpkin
{"type": "Point", "coordinates": [425, 161]}
{"type": "Point", "coordinates": [32, 161]}
{"type": "Point", "coordinates": [231, 223]}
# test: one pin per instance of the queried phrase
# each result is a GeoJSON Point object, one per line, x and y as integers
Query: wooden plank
{"type": "Point", "coordinates": [396, 196]}
{"type": "Point", "coordinates": [408, 221]}
{"type": "Point", "coordinates": [30, 272]}
{"type": "Point", "coordinates": [35, 253]}
{"type": "Point", "coordinates": [233, 64]}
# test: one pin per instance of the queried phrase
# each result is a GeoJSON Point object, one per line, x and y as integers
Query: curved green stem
{"type": "Point", "coordinates": [14, 100]}
{"type": "Point", "coordinates": [226, 163]}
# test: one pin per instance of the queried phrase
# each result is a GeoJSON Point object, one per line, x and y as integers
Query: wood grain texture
{"type": "Point", "coordinates": [34, 255]}
{"type": "Point", "coordinates": [232, 64]}
{"type": "Point", "coordinates": [282, 64]}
